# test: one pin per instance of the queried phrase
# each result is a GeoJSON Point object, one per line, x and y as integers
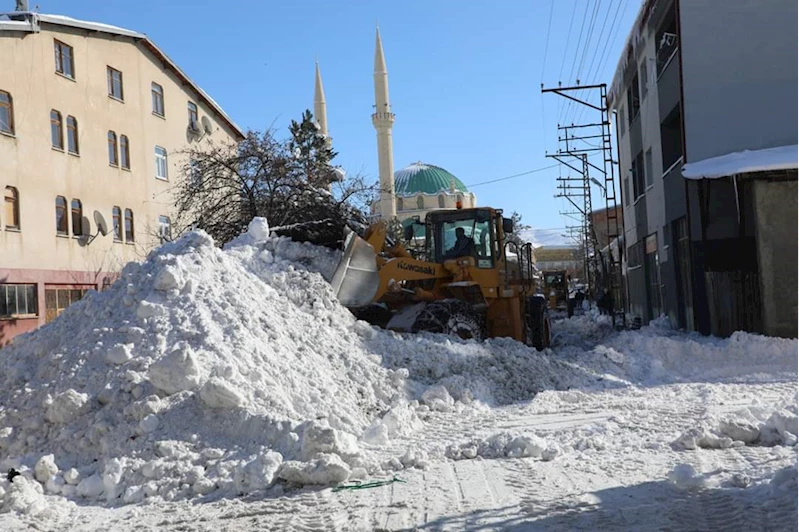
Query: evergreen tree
{"type": "Point", "coordinates": [518, 227]}
{"type": "Point", "coordinates": [312, 152]}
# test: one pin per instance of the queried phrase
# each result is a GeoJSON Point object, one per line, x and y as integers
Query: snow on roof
{"type": "Point", "coordinates": [20, 20]}
{"type": "Point", "coordinates": [743, 162]}
{"type": "Point", "coordinates": [85, 24]}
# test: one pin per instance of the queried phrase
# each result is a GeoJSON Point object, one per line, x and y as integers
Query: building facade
{"type": "Point", "coordinates": [697, 81]}
{"type": "Point", "coordinates": [92, 122]}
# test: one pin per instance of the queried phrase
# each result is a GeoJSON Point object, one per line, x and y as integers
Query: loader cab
{"type": "Point", "coordinates": [472, 232]}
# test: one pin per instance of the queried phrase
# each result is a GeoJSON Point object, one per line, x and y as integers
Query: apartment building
{"type": "Point", "coordinates": [93, 119]}
{"type": "Point", "coordinates": [705, 106]}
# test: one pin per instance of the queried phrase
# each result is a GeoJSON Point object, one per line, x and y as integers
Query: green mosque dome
{"type": "Point", "coordinates": [421, 178]}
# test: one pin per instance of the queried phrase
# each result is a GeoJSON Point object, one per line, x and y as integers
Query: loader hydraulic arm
{"type": "Point", "coordinates": [399, 269]}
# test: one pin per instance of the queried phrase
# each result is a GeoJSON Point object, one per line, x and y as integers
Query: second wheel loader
{"type": "Point", "coordinates": [468, 279]}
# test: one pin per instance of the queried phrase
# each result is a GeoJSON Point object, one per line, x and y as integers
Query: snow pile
{"type": "Point", "coordinates": [686, 477]}
{"type": "Point", "coordinates": [750, 426]}
{"type": "Point", "coordinates": [657, 354]}
{"type": "Point", "coordinates": [495, 372]}
{"type": "Point", "coordinates": [202, 371]}
{"type": "Point", "coordinates": [505, 445]}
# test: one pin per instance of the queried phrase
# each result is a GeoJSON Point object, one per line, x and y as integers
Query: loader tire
{"type": "Point", "coordinates": [538, 325]}
{"type": "Point", "coordinates": [453, 317]}
{"type": "Point", "coordinates": [374, 314]}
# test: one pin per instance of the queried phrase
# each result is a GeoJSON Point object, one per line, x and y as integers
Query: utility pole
{"type": "Point", "coordinates": [576, 144]}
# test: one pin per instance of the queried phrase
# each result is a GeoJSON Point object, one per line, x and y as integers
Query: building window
{"type": "Point", "coordinates": [160, 163]}
{"type": "Point", "coordinates": [77, 218]}
{"type": "Point", "coordinates": [420, 202]}
{"type": "Point", "coordinates": [113, 157]}
{"type": "Point", "coordinates": [164, 228]}
{"type": "Point", "coordinates": [639, 181]}
{"type": "Point", "coordinates": [18, 300]}
{"type": "Point", "coordinates": [64, 62]}
{"type": "Point", "coordinates": [61, 223]}
{"type": "Point", "coordinates": [627, 191]}
{"type": "Point", "coordinates": [644, 80]}
{"type": "Point", "coordinates": [650, 179]}
{"type": "Point", "coordinates": [56, 130]}
{"type": "Point", "coordinates": [6, 113]}
{"type": "Point", "coordinates": [666, 41]}
{"type": "Point", "coordinates": [652, 274]}
{"type": "Point", "coordinates": [12, 208]}
{"type": "Point", "coordinates": [56, 300]}
{"type": "Point", "coordinates": [124, 152]}
{"type": "Point", "coordinates": [459, 201]}
{"type": "Point", "coordinates": [195, 175]}
{"type": "Point", "coordinates": [72, 135]}
{"type": "Point", "coordinates": [399, 204]}
{"type": "Point", "coordinates": [633, 99]}
{"type": "Point", "coordinates": [115, 83]}
{"type": "Point", "coordinates": [671, 138]}
{"type": "Point", "coordinates": [158, 99]}
{"type": "Point", "coordinates": [635, 254]}
{"type": "Point", "coordinates": [129, 236]}
{"type": "Point", "coordinates": [193, 118]}
{"type": "Point", "coordinates": [116, 213]}
{"type": "Point", "coordinates": [441, 201]}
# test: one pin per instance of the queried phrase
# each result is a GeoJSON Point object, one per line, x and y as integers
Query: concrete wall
{"type": "Point", "coordinates": [739, 75]}
{"type": "Point", "coordinates": [776, 223]}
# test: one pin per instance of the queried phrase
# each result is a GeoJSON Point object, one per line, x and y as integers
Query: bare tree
{"type": "Point", "coordinates": [225, 186]}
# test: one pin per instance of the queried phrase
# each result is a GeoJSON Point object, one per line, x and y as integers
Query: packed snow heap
{"type": "Point", "coordinates": [217, 372]}
{"type": "Point", "coordinates": [195, 374]}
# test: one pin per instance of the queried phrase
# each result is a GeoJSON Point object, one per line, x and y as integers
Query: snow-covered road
{"type": "Point", "coordinates": [229, 391]}
{"type": "Point", "coordinates": [615, 471]}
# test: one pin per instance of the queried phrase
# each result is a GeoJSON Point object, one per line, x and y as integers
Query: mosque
{"type": "Point", "coordinates": [417, 188]}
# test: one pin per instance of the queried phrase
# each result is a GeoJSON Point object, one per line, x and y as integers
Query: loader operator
{"type": "Point", "coordinates": [464, 245]}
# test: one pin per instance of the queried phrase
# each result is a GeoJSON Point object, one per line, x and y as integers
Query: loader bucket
{"type": "Point", "coordinates": [356, 279]}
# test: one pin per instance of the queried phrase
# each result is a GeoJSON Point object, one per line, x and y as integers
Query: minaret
{"type": "Point", "coordinates": [383, 120]}
{"type": "Point", "coordinates": [319, 105]}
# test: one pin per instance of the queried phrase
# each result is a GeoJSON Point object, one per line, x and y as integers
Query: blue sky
{"type": "Point", "coordinates": [464, 76]}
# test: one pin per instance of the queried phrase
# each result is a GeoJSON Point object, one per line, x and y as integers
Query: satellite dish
{"type": "Point", "coordinates": [207, 127]}
{"type": "Point", "coordinates": [102, 225]}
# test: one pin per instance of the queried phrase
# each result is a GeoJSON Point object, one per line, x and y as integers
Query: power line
{"type": "Point", "coordinates": [603, 57]}
{"type": "Point", "coordinates": [589, 78]}
{"type": "Point", "coordinates": [546, 45]}
{"type": "Point", "coordinates": [568, 38]}
{"type": "Point", "coordinates": [591, 26]}
{"type": "Point", "coordinates": [513, 176]}
{"type": "Point", "coordinates": [574, 62]}
{"type": "Point", "coordinates": [581, 109]}
{"type": "Point", "coordinates": [592, 74]}
{"type": "Point", "coordinates": [599, 41]}
{"type": "Point", "coordinates": [565, 53]}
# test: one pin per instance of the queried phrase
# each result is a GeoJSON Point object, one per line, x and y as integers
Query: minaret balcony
{"type": "Point", "coordinates": [383, 119]}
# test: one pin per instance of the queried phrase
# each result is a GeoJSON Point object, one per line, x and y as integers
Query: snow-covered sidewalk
{"type": "Point", "coordinates": [229, 390]}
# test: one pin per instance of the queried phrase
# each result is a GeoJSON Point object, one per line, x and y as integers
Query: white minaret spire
{"type": "Point", "coordinates": [319, 104]}
{"type": "Point", "coordinates": [383, 120]}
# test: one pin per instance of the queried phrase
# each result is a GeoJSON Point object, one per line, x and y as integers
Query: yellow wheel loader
{"type": "Point", "coordinates": [467, 279]}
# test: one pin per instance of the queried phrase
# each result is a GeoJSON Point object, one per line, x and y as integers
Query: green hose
{"type": "Point", "coordinates": [358, 485]}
